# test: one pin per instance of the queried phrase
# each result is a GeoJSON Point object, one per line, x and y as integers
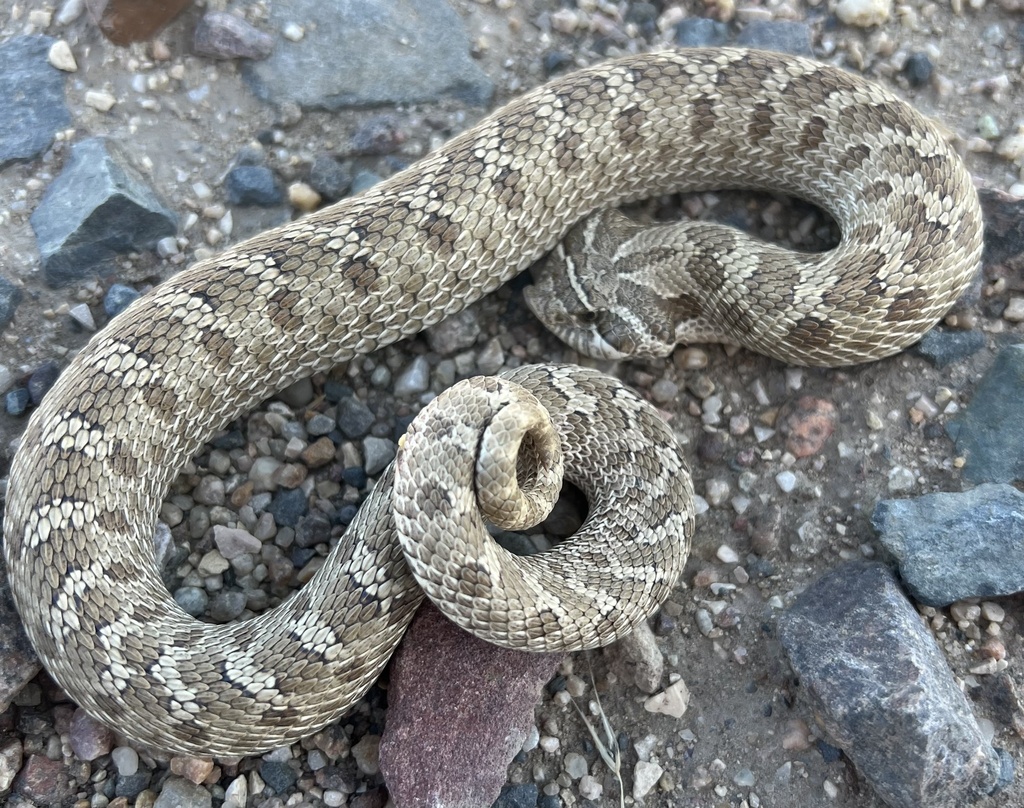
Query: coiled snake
{"type": "Point", "coordinates": [143, 396]}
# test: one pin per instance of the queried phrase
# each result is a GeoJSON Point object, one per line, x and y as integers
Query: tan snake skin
{"type": "Point", "coordinates": [143, 396]}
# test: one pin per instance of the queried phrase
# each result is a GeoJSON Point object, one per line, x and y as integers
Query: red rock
{"type": "Point", "coordinates": [807, 424]}
{"type": "Point", "coordinates": [127, 21]}
{"type": "Point", "coordinates": [459, 709]}
{"type": "Point", "coordinates": [44, 781]}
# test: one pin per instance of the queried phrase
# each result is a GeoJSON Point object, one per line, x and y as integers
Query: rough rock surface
{"type": "Point", "coordinates": [458, 711]}
{"type": "Point", "coordinates": [31, 97]}
{"type": "Point", "coordinates": [98, 207]}
{"type": "Point", "coordinates": [433, 61]}
{"type": "Point", "coordinates": [953, 546]}
{"type": "Point", "coordinates": [884, 693]}
{"type": "Point", "coordinates": [991, 431]}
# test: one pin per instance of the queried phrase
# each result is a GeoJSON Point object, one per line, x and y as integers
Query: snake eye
{"type": "Point", "coordinates": [589, 317]}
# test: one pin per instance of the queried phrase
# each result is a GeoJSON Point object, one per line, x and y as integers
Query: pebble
{"type": "Point", "coordinates": [700, 32]}
{"type": "Point", "coordinates": [42, 379]}
{"type": "Point", "coordinates": [177, 792]}
{"type": "Point", "coordinates": [918, 69]}
{"type": "Point", "coordinates": [89, 738]}
{"type": "Point", "coordinates": [525, 795]}
{"type": "Point", "coordinates": [744, 778]}
{"type": "Point", "coordinates": [234, 542]}
{"type": "Point", "coordinates": [303, 197]}
{"type": "Point", "coordinates": [82, 315]}
{"type": "Point", "coordinates": [901, 480]}
{"type": "Point", "coordinates": [645, 777]}
{"type": "Point", "coordinates": [61, 57]}
{"type": "Point", "coordinates": [377, 453]}
{"type": "Point", "coordinates": [367, 754]}
{"type": "Point", "coordinates": [575, 765]}
{"type": "Point", "coordinates": [118, 298]}
{"type": "Point", "coordinates": [716, 492]}
{"type": "Point", "coordinates": [786, 480]}
{"type": "Point", "coordinates": [727, 555]}
{"type": "Point", "coordinates": [329, 177]}
{"type": "Point", "coordinates": [1014, 311]}
{"type": "Point", "coordinates": [673, 700]}
{"type": "Point", "coordinates": [192, 600]}
{"type": "Point", "coordinates": [864, 13]}
{"type": "Point", "coordinates": [278, 775]}
{"type": "Point", "coordinates": [252, 185]}
{"type": "Point", "coordinates": [100, 100]}
{"type": "Point", "coordinates": [222, 35]}
{"type": "Point", "coordinates": [414, 379]}
{"type": "Point", "coordinates": [590, 788]}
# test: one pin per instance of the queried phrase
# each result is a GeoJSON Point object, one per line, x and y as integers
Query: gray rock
{"type": "Point", "coordinates": [329, 177]}
{"type": "Point", "coordinates": [943, 346]}
{"type": "Point", "coordinates": [954, 546]}
{"type": "Point", "coordinates": [252, 185]}
{"type": "Point", "coordinates": [221, 35]}
{"type": "Point", "coordinates": [700, 32]}
{"type": "Point", "coordinates": [278, 775]}
{"type": "Point", "coordinates": [227, 606]}
{"type": "Point", "coordinates": [16, 401]}
{"type": "Point", "coordinates": [883, 692]}
{"type": "Point", "coordinates": [89, 738]}
{"type": "Point", "coordinates": [455, 333]}
{"type": "Point", "coordinates": [118, 298]}
{"type": "Point", "coordinates": [99, 206]}
{"type": "Point", "coordinates": [10, 299]}
{"type": "Point", "coordinates": [990, 432]}
{"type": "Point", "coordinates": [192, 599]}
{"type": "Point", "coordinates": [287, 507]}
{"type": "Point", "coordinates": [180, 793]}
{"type": "Point", "coordinates": [472, 700]}
{"type": "Point", "coordinates": [398, 52]}
{"type": "Point", "coordinates": [377, 453]}
{"type": "Point", "coordinates": [777, 35]}
{"type": "Point", "coordinates": [42, 379]}
{"type": "Point", "coordinates": [354, 418]}
{"type": "Point", "coordinates": [32, 98]}
{"type": "Point", "coordinates": [414, 379]}
{"type": "Point", "coordinates": [523, 795]}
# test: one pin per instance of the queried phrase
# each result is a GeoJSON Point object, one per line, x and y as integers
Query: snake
{"type": "Point", "coordinates": [527, 181]}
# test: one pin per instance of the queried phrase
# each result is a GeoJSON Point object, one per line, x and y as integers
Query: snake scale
{"type": "Point", "coordinates": [142, 397]}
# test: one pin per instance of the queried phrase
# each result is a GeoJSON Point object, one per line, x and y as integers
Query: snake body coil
{"type": "Point", "coordinates": [142, 397]}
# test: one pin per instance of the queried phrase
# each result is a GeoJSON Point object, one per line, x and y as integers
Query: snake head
{"type": "Point", "coordinates": [577, 293]}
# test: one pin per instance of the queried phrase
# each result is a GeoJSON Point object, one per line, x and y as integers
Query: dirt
{"type": "Point", "coordinates": [744, 699]}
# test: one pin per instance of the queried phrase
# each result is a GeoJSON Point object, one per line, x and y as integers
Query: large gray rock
{"type": "Point", "coordinates": [18, 663]}
{"type": "Point", "coordinates": [459, 709]}
{"type": "Point", "coordinates": [10, 299]}
{"type": "Point", "coordinates": [369, 53]}
{"type": "Point", "coordinates": [99, 206]}
{"type": "Point", "coordinates": [954, 546]}
{"type": "Point", "coordinates": [31, 97]}
{"type": "Point", "coordinates": [883, 692]}
{"type": "Point", "coordinates": [990, 433]}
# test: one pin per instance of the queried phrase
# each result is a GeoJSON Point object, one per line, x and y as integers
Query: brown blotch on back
{"type": "Point", "coordinates": [702, 118]}
{"type": "Point", "coordinates": [684, 307]}
{"type": "Point", "coordinates": [628, 123]}
{"type": "Point", "coordinates": [279, 307]}
{"type": "Point", "coordinates": [812, 135]}
{"type": "Point", "coordinates": [812, 332]}
{"type": "Point", "coordinates": [761, 124]}
{"type": "Point", "coordinates": [906, 306]}
{"type": "Point", "coordinates": [854, 157]}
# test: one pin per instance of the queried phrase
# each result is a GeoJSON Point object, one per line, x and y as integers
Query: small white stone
{"type": "Point", "coordinates": [70, 11]}
{"type": "Point", "coordinates": [645, 777]}
{"type": "Point", "coordinates": [166, 247]}
{"type": "Point", "coordinates": [993, 612]}
{"type": "Point", "coordinates": [549, 743]}
{"type": "Point", "coordinates": [532, 739]}
{"type": "Point", "coordinates": [82, 315]}
{"type": "Point", "coordinates": [100, 99]}
{"type": "Point", "coordinates": [786, 480]}
{"type": "Point", "coordinates": [864, 13]}
{"type": "Point", "coordinates": [293, 31]}
{"type": "Point", "coordinates": [716, 492]}
{"type": "Point", "coordinates": [591, 788]}
{"type": "Point", "coordinates": [61, 57]}
{"type": "Point", "coordinates": [237, 793]}
{"type": "Point", "coordinates": [727, 555]}
{"type": "Point", "coordinates": [1014, 311]}
{"type": "Point", "coordinates": [126, 760]}
{"type": "Point", "coordinates": [901, 479]}
{"type": "Point", "coordinates": [673, 700]}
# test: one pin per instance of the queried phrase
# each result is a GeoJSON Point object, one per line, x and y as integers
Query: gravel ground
{"type": "Point", "coordinates": [773, 522]}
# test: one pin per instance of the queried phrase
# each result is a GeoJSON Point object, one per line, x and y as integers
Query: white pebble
{"type": "Point", "coordinates": [549, 743]}
{"type": "Point", "coordinates": [82, 315]}
{"type": "Point", "coordinates": [864, 13]}
{"type": "Point", "coordinates": [591, 788]}
{"type": "Point", "coordinates": [673, 700]}
{"type": "Point", "coordinates": [293, 31]}
{"type": "Point", "coordinates": [901, 479]}
{"type": "Point", "coordinates": [126, 760]}
{"type": "Point", "coordinates": [645, 777]}
{"type": "Point", "coordinates": [100, 99]}
{"type": "Point", "coordinates": [532, 739]}
{"type": "Point", "coordinates": [61, 57]}
{"type": "Point", "coordinates": [786, 480]}
{"type": "Point", "coordinates": [727, 555]}
{"type": "Point", "coordinates": [717, 492]}
{"type": "Point", "coordinates": [1014, 311]}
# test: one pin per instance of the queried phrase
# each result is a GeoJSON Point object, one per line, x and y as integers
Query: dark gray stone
{"type": "Point", "coordinates": [918, 69]}
{"type": "Point", "coordinates": [288, 506]}
{"type": "Point", "coordinates": [955, 546]}
{"type": "Point", "coordinates": [118, 298]}
{"type": "Point", "coordinates": [10, 299]}
{"type": "Point", "coordinates": [377, 453]}
{"type": "Point", "coordinates": [354, 418]}
{"type": "Point", "coordinates": [518, 796]}
{"type": "Point", "coordinates": [42, 379]}
{"type": "Point", "coordinates": [942, 346]}
{"type": "Point", "coordinates": [16, 401]}
{"type": "Point", "coordinates": [131, 785]}
{"type": "Point", "coordinates": [99, 206]}
{"type": "Point", "coordinates": [883, 692]}
{"type": "Point", "coordinates": [700, 32]}
{"type": "Point", "coordinates": [329, 177]}
{"type": "Point", "coordinates": [399, 52]}
{"type": "Point", "coordinates": [313, 529]}
{"type": "Point", "coordinates": [31, 97]}
{"type": "Point", "coordinates": [364, 180]}
{"type": "Point", "coordinates": [990, 432]}
{"type": "Point", "coordinates": [252, 185]}
{"type": "Point", "coordinates": [227, 606]}
{"type": "Point", "coordinates": [192, 599]}
{"type": "Point", "coordinates": [278, 775]}
{"type": "Point", "coordinates": [782, 36]}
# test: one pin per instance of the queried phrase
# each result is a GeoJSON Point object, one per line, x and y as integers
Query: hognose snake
{"type": "Point", "coordinates": [143, 396]}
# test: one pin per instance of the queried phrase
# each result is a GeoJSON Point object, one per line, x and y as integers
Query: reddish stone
{"type": "Point", "coordinates": [127, 21]}
{"type": "Point", "coordinates": [44, 781]}
{"type": "Point", "coordinates": [459, 709]}
{"type": "Point", "coordinates": [808, 424]}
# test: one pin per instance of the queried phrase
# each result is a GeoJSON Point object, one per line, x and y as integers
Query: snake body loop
{"type": "Point", "coordinates": [142, 397]}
